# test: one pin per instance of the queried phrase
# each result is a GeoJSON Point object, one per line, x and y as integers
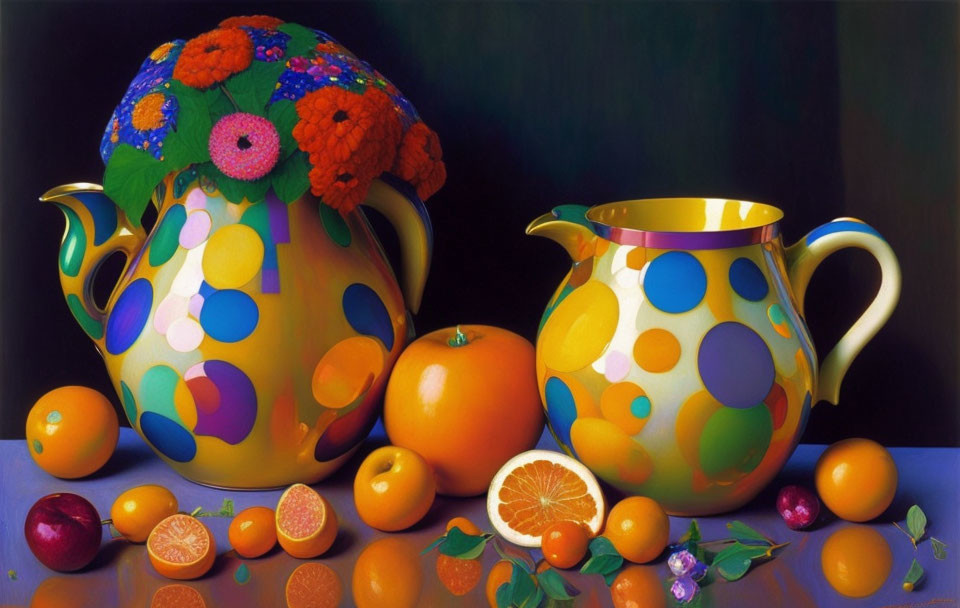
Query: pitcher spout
{"type": "Point", "coordinates": [567, 225]}
{"type": "Point", "coordinates": [96, 228]}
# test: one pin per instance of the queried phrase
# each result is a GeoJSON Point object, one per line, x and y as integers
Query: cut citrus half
{"type": "Point", "coordinates": [177, 596]}
{"type": "Point", "coordinates": [313, 585]}
{"type": "Point", "coordinates": [306, 522]}
{"type": "Point", "coordinates": [537, 488]}
{"type": "Point", "coordinates": [181, 547]}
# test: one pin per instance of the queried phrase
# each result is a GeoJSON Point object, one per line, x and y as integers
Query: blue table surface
{"type": "Point", "coordinates": [122, 576]}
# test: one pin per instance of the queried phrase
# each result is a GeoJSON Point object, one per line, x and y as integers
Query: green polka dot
{"type": "Point", "coordinates": [242, 575]}
{"type": "Point", "coordinates": [640, 407]}
{"type": "Point", "coordinates": [157, 388]}
{"type": "Point", "coordinates": [167, 237]}
{"type": "Point", "coordinates": [735, 440]}
{"type": "Point", "coordinates": [90, 325]}
{"type": "Point", "coordinates": [776, 314]}
{"type": "Point", "coordinates": [54, 417]}
{"type": "Point", "coordinates": [74, 243]}
{"type": "Point", "coordinates": [335, 225]}
{"type": "Point", "coordinates": [129, 403]}
{"type": "Point", "coordinates": [37, 446]}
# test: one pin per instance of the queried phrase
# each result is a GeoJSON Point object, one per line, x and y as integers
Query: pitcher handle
{"type": "Point", "coordinates": [398, 202]}
{"type": "Point", "coordinates": [804, 256]}
{"type": "Point", "coordinates": [95, 229]}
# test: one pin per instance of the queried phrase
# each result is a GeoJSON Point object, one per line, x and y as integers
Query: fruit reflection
{"type": "Point", "coordinates": [177, 596]}
{"type": "Point", "coordinates": [638, 587]}
{"type": "Point", "coordinates": [313, 585]}
{"type": "Point", "coordinates": [459, 576]}
{"type": "Point", "coordinates": [856, 560]}
{"type": "Point", "coordinates": [67, 592]}
{"type": "Point", "coordinates": [387, 574]}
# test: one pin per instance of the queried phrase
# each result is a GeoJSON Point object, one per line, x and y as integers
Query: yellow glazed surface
{"type": "Point", "coordinates": [673, 360]}
{"type": "Point", "coordinates": [249, 343]}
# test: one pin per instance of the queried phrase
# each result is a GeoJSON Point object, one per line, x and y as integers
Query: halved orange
{"type": "Point", "coordinates": [313, 585]}
{"type": "Point", "coordinates": [306, 522]}
{"type": "Point", "coordinates": [537, 488]}
{"type": "Point", "coordinates": [181, 547]}
{"type": "Point", "coordinates": [177, 596]}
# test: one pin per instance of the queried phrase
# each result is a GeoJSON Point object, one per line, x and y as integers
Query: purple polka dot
{"type": "Point", "coordinates": [128, 316]}
{"type": "Point", "coordinates": [735, 365]}
{"type": "Point", "coordinates": [367, 314]}
{"type": "Point", "coordinates": [225, 398]}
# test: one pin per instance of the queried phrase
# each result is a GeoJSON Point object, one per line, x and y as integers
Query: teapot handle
{"type": "Point", "coordinates": [398, 202]}
{"type": "Point", "coordinates": [96, 228]}
{"type": "Point", "coordinates": [804, 256]}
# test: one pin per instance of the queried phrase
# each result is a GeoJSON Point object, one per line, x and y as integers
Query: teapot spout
{"type": "Point", "coordinates": [96, 228]}
{"type": "Point", "coordinates": [567, 225]}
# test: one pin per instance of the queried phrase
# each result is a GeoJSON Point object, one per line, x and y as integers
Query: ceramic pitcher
{"type": "Point", "coordinates": [249, 343]}
{"type": "Point", "coordinates": [674, 360]}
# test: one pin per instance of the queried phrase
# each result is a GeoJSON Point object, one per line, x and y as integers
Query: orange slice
{"type": "Point", "coordinates": [306, 522]}
{"type": "Point", "coordinates": [181, 547]}
{"type": "Point", "coordinates": [313, 585]}
{"type": "Point", "coordinates": [537, 488]}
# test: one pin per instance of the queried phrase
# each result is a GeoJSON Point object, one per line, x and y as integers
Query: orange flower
{"type": "Point", "coordinates": [148, 113]}
{"type": "Point", "coordinates": [213, 57]}
{"type": "Point", "coordinates": [161, 52]}
{"type": "Point", "coordinates": [351, 139]}
{"type": "Point", "coordinates": [262, 22]}
{"type": "Point", "coordinates": [419, 160]}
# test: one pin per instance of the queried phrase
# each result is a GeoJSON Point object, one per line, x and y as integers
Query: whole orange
{"type": "Point", "coordinates": [639, 529]}
{"type": "Point", "coordinates": [253, 531]}
{"type": "Point", "coordinates": [394, 488]}
{"type": "Point", "coordinates": [387, 574]}
{"type": "Point", "coordinates": [564, 543]}
{"type": "Point", "coordinates": [638, 587]}
{"type": "Point", "coordinates": [465, 399]}
{"type": "Point", "coordinates": [856, 479]}
{"type": "Point", "coordinates": [72, 431]}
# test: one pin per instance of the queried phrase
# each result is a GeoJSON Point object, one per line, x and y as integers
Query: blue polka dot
{"type": "Point", "coordinates": [748, 280]}
{"type": "Point", "coordinates": [104, 214]}
{"type": "Point", "coordinates": [229, 315]}
{"type": "Point", "coordinates": [366, 313]}
{"type": "Point", "coordinates": [561, 409]}
{"type": "Point", "coordinates": [168, 437]}
{"type": "Point", "coordinates": [675, 282]}
{"type": "Point", "coordinates": [206, 289]}
{"type": "Point", "coordinates": [640, 407]}
{"type": "Point", "coordinates": [129, 315]}
{"type": "Point", "coordinates": [840, 226]}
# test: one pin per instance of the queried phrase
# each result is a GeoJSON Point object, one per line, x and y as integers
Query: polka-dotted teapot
{"type": "Point", "coordinates": [252, 331]}
{"type": "Point", "coordinates": [674, 360]}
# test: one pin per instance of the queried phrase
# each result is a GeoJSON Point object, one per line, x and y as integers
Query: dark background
{"type": "Point", "coordinates": [825, 110]}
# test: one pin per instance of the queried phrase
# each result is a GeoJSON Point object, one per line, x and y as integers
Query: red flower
{"type": "Point", "coordinates": [419, 160]}
{"type": "Point", "coordinates": [262, 22]}
{"type": "Point", "coordinates": [213, 57]}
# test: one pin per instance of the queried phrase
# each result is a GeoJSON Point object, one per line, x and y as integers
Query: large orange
{"type": "Point", "coordinates": [856, 478]}
{"type": "Point", "coordinates": [467, 402]}
{"type": "Point", "coordinates": [639, 528]}
{"type": "Point", "coordinates": [72, 431]}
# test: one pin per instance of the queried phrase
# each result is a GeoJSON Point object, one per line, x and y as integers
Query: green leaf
{"type": "Point", "coordinates": [744, 533]}
{"type": "Point", "coordinates": [253, 87]}
{"type": "Point", "coordinates": [130, 179]}
{"type": "Point", "coordinates": [283, 115]}
{"type": "Point", "coordinates": [302, 40]}
{"type": "Point", "coordinates": [291, 179]}
{"type": "Point", "coordinates": [916, 522]}
{"type": "Point", "coordinates": [434, 545]}
{"type": "Point", "coordinates": [914, 574]}
{"type": "Point", "coordinates": [463, 546]}
{"type": "Point", "coordinates": [193, 121]}
{"type": "Point", "coordinates": [602, 564]}
{"type": "Point", "coordinates": [504, 595]}
{"type": "Point", "coordinates": [610, 577]}
{"type": "Point", "coordinates": [256, 190]}
{"type": "Point", "coordinates": [226, 509]}
{"type": "Point", "coordinates": [177, 153]}
{"type": "Point", "coordinates": [12, 575]}
{"type": "Point", "coordinates": [534, 600]}
{"type": "Point", "coordinates": [522, 588]}
{"type": "Point", "coordinates": [554, 585]}
{"type": "Point", "coordinates": [231, 189]}
{"type": "Point", "coordinates": [734, 561]}
{"type": "Point", "coordinates": [939, 548]}
{"type": "Point", "coordinates": [218, 104]}
{"type": "Point", "coordinates": [601, 545]}
{"type": "Point", "coordinates": [515, 555]}
{"type": "Point", "coordinates": [692, 534]}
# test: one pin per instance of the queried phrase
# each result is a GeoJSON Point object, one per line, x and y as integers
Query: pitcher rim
{"type": "Point", "coordinates": [760, 232]}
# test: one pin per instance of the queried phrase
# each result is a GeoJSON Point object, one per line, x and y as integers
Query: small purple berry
{"type": "Point", "coordinates": [699, 571]}
{"type": "Point", "coordinates": [681, 563]}
{"type": "Point", "coordinates": [684, 589]}
{"type": "Point", "coordinates": [798, 506]}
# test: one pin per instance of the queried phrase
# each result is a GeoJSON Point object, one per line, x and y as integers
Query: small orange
{"type": "Point", "coordinates": [306, 522]}
{"type": "Point", "coordinates": [394, 488]}
{"type": "Point", "coordinates": [466, 399]}
{"type": "Point", "coordinates": [181, 547]}
{"type": "Point", "coordinates": [459, 576]}
{"type": "Point", "coordinates": [136, 511]}
{"type": "Point", "coordinates": [638, 587]}
{"type": "Point", "coordinates": [856, 560]}
{"type": "Point", "coordinates": [72, 431]}
{"type": "Point", "coordinates": [639, 529]}
{"type": "Point", "coordinates": [253, 531]}
{"type": "Point", "coordinates": [466, 526]}
{"type": "Point", "coordinates": [177, 596]}
{"type": "Point", "coordinates": [387, 574]}
{"type": "Point", "coordinates": [500, 574]}
{"type": "Point", "coordinates": [564, 544]}
{"type": "Point", "coordinates": [313, 585]}
{"type": "Point", "coordinates": [856, 479]}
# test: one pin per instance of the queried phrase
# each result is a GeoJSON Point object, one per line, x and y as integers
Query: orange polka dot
{"type": "Point", "coordinates": [617, 406]}
{"type": "Point", "coordinates": [601, 247]}
{"type": "Point", "coordinates": [637, 258]}
{"type": "Point", "coordinates": [656, 350]}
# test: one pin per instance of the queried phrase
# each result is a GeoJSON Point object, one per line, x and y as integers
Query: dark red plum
{"type": "Point", "coordinates": [798, 506]}
{"type": "Point", "coordinates": [63, 531]}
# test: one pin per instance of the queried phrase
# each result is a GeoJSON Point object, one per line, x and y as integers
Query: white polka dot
{"type": "Point", "coordinates": [169, 310]}
{"type": "Point", "coordinates": [196, 229]}
{"type": "Point", "coordinates": [184, 335]}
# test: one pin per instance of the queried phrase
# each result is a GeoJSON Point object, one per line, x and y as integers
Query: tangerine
{"type": "Point", "coordinates": [136, 511]}
{"type": "Point", "coordinates": [466, 526]}
{"type": "Point", "coordinates": [639, 529]}
{"type": "Point", "coordinates": [638, 587]}
{"type": "Point", "coordinates": [72, 431]}
{"type": "Point", "coordinates": [305, 521]}
{"type": "Point", "coordinates": [181, 547]}
{"type": "Point", "coordinates": [856, 479]}
{"type": "Point", "coordinates": [394, 488]}
{"type": "Point", "coordinates": [387, 574]}
{"type": "Point", "coordinates": [313, 585]}
{"type": "Point", "coordinates": [466, 399]}
{"type": "Point", "coordinates": [564, 544]}
{"type": "Point", "coordinates": [856, 560]}
{"type": "Point", "coordinates": [253, 531]}
{"type": "Point", "coordinates": [459, 576]}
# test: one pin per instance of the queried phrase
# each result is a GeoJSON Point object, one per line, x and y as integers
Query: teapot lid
{"type": "Point", "coordinates": [259, 104]}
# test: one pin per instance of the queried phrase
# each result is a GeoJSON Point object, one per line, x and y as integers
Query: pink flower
{"type": "Point", "coordinates": [244, 146]}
